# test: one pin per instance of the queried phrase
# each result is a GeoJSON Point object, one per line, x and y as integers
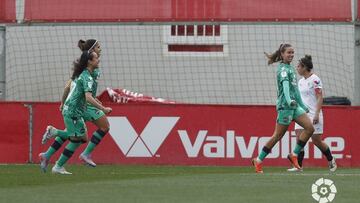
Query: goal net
{"type": "Point", "coordinates": [215, 64]}
{"type": "Point", "coordinates": [191, 51]}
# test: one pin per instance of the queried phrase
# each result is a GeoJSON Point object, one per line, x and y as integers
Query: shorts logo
{"type": "Point", "coordinates": [286, 119]}
{"type": "Point", "coordinates": [148, 142]}
{"type": "Point", "coordinates": [323, 190]}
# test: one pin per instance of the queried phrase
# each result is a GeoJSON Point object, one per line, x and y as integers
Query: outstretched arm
{"type": "Point", "coordinates": [65, 93]}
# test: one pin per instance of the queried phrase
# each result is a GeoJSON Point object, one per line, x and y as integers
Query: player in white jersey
{"type": "Point", "coordinates": [310, 87]}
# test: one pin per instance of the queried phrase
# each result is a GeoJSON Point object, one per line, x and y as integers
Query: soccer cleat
{"type": "Point", "coordinates": [48, 134]}
{"type": "Point", "coordinates": [258, 166]}
{"type": "Point", "coordinates": [294, 169]}
{"type": "Point", "coordinates": [87, 160]}
{"type": "Point", "coordinates": [294, 161]}
{"type": "Point", "coordinates": [44, 162]}
{"type": "Point", "coordinates": [59, 170]}
{"type": "Point", "coordinates": [332, 165]}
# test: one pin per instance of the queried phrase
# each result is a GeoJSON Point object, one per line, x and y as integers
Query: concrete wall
{"type": "Point", "coordinates": [39, 58]}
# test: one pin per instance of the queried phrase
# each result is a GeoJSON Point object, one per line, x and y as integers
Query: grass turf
{"type": "Point", "coordinates": [119, 183]}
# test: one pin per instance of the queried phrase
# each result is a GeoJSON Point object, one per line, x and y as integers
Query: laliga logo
{"type": "Point", "coordinates": [323, 190]}
{"type": "Point", "coordinates": [148, 142]}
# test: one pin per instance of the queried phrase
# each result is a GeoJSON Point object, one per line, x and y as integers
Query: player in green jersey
{"type": "Point", "coordinates": [91, 114]}
{"type": "Point", "coordinates": [289, 107]}
{"type": "Point", "coordinates": [75, 106]}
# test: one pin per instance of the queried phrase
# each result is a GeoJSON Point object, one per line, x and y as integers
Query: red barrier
{"type": "Point", "coordinates": [187, 10]}
{"type": "Point", "coordinates": [205, 135]}
{"type": "Point", "coordinates": [181, 134]}
{"type": "Point", "coordinates": [126, 96]}
{"type": "Point", "coordinates": [14, 133]}
{"type": "Point", "coordinates": [7, 11]}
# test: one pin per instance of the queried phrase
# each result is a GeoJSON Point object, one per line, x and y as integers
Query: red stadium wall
{"type": "Point", "coordinates": [7, 11]}
{"type": "Point", "coordinates": [182, 134]}
{"type": "Point", "coordinates": [186, 10]}
{"type": "Point", "coordinates": [14, 133]}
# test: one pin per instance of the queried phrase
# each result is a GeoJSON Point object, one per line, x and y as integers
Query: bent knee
{"type": "Point", "coordinates": [310, 129]}
{"type": "Point", "coordinates": [105, 129]}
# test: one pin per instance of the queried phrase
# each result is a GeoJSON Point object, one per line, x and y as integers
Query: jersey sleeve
{"type": "Point", "coordinates": [317, 83]}
{"type": "Point", "coordinates": [97, 73]}
{"type": "Point", "coordinates": [286, 90]}
{"type": "Point", "coordinates": [283, 74]}
{"type": "Point", "coordinates": [87, 83]}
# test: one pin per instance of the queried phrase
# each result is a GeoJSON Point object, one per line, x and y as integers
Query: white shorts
{"type": "Point", "coordinates": [319, 127]}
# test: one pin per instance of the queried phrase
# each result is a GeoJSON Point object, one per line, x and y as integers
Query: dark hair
{"type": "Point", "coordinates": [81, 63]}
{"type": "Point", "coordinates": [87, 45]}
{"type": "Point", "coordinates": [307, 62]}
{"type": "Point", "coordinates": [276, 56]}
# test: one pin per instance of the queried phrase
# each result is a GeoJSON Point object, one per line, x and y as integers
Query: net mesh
{"type": "Point", "coordinates": [212, 64]}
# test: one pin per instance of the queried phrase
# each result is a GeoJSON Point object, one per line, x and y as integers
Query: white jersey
{"type": "Point", "coordinates": [307, 89]}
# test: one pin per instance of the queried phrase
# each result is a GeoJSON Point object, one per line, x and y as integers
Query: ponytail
{"type": "Point", "coordinates": [81, 64]}
{"type": "Point", "coordinates": [87, 45]}
{"type": "Point", "coordinates": [81, 45]}
{"type": "Point", "coordinates": [276, 56]}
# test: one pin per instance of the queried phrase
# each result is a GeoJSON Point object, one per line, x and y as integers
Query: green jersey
{"type": "Point", "coordinates": [75, 103]}
{"type": "Point", "coordinates": [95, 75]}
{"type": "Point", "coordinates": [285, 72]}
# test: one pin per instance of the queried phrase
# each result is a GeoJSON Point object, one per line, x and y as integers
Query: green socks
{"type": "Point", "coordinates": [264, 152]}
{"type": "Point", "coordinates": [95, 140]}
{"type": "Point", "coordinates": [299, 146]}
{"type": "Point", "coordinates": [67, 153]}
{"type": "Point", "coordinates": [54, 147]}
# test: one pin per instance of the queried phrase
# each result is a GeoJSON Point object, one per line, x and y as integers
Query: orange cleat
{"type": "Point", "coordinates": [294, 161]}
{"type": "Point", "coordinates": [258, 166]}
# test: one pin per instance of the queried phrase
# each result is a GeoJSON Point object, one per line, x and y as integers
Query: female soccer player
{"type": "Point", "coordinates": [289, 106]}
{"type": "Point", "coordinates": [75, 106]}
{"type": "Point", "coordinates": [310, 87]}
{"type": "Point", "coordinates": [92, 114]}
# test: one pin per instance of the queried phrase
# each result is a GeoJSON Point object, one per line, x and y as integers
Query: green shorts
{"type": "Point", "coordinates": [92, 113]}
{"type": "Point", "coordinates": [75, 126]}
{"type": "Point", "coordinates": [285, 117]}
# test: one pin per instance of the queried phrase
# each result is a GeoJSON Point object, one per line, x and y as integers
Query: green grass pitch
{"type": "Point", "coordinates": [120, 183]}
